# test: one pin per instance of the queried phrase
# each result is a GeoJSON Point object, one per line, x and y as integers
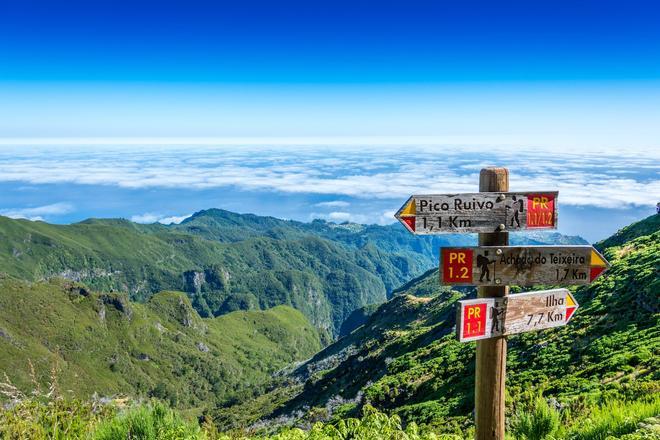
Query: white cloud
{"type": "Point", "coordinates": [38, 212]}
{"type": "Point", "coordinates": [382, 218]}
{"type": "Point", "coordinates": [333, 204]}
{"type": "Point", "coordinates": [338, 216]}
{"type": "Point", "coordinates": [585, 179]}
{"type": "Point", "coordinates": [149, 218]}
{"type": "Point", "coordinates": [173, 219]}
{"type": "Point", "coordinates": [387, 217]}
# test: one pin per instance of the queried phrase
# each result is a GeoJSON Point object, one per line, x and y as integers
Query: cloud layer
{"type": "Point", "coordinates": [587, 179]}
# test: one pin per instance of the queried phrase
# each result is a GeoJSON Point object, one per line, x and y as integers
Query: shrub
{"type": "Point", "coordinates": [46, 414]}
{"type": "Point", "coordinates": [539, 423]}
{"type": "Point", "coordinates": [373, 425]}
{"type": "Point", "coordinates": [153, 421]}
{"type": "Point", "coordinates": [57, 419]}
{"type": "Point", "coordinates": [615, 418]}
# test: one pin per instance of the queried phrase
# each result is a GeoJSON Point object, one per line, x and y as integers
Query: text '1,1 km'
{"type": "Point", "coordinates": [479, 212]}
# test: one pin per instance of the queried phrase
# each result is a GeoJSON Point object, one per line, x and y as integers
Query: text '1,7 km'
{"type": "Point", "coordinates": [484, 318]}
{"type": "Point", "coordinates": [520, 265]}
{"type": "Point", "coordinates": [479, 212]}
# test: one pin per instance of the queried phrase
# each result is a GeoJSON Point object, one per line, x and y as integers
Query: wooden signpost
{"type": "Point", "coordinates": [484, 318]}
{"type": "Point", "coordinates": [493, 266]}
{"type": "Point", "coordinates": [520, 265]}
{"type": "Point", "coordinates": [479, 212]}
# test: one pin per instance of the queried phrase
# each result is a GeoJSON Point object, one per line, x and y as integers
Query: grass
{"type": "Point", "coordinates": [539, 422]}
{"type": "Point", "coordinates": [102, 343]}
{"type": "Point", "coordinates": [41, 418]}
{"type": "Point", "coordinates": [405, 359]}
{"type": "Point", "coordinates": [615, 418]}
{"type": "Point", "coordinates": [151, 421]}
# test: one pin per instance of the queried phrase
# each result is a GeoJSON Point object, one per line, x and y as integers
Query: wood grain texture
{"type": "Point", "coordinates": [491, 353]}
{"type": "Point", "coordinates": [519, 265]}
{"type": "Point", "coordinates": [485, 318]}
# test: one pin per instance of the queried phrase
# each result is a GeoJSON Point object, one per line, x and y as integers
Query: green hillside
{"type": "Point", "coordinates": [226, 262]}
{"type": "Point", "coordinates": [321, 278]}
{"type": "Point", "coordinates": [405, 359]}
{"type": "Point", "coordinates": [102, 343]}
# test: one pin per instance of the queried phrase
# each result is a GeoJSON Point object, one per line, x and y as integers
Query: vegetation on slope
{"type": "Point", "coordinates": [321, 278]}
{"type": "Point", "coordinates": [405, 359]}
{"type": "Point", "coordinates": [102, 343]}
{"type": "Point", "coordinates": [226, 262]}
{"type": "Point", "coordinates": [54, 418]}
{"type": "Point", "coordinates": [401, 372]}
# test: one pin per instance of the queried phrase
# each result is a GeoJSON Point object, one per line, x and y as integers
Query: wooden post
{"type": "Point", "coordinates": [491, 353]}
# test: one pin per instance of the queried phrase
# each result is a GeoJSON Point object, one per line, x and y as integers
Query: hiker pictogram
{"type": "Point", "coordinates": [482, 263]}
{"type": "Point", "coordinates": [517, 206]}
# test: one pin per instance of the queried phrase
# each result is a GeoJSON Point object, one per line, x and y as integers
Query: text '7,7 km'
{"type": "Point", "coordinates": [484, 318]}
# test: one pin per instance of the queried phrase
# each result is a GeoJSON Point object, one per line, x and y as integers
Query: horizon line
{"type": "Point", "coordinates": [493, 142]}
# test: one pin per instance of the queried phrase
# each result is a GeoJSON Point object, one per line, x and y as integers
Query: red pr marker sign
{"type": "Point", "coordinates": [474, 320]}
{"type": "Point", "coordinates": [541, 210]}
{"type": "Point", "coordinates": [458, 265]}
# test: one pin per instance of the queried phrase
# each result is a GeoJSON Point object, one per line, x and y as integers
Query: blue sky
{"type": "Point", "coordinates": [548, 88]}
{"type": "Point", "coordinates": [570, 73]}
{"type": "Point", "coordinates": [329, 42]}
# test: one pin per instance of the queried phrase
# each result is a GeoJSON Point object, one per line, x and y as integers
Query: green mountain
{"type": "Point", "coordinates": [226, 262]}
{"type": "Point", "coordinates": [405, 358]}
{"type": "Point", "coordinates": [103, 343]}
{"type": "Point", "coordinates": [323, 279]}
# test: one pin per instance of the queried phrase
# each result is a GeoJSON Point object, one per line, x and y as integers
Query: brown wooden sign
{"type": "Point", "coordinates": [520, 265]}
{"type": "Point", "coordinates": [484, 318]}
{"type": "Point", "coordinates": [479, 212]}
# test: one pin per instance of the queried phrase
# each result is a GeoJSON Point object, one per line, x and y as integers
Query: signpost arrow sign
{"type": "Point", "coordinates": [484, 318]}
{"type": "Point", "coordinates": [520, 265]}
{"type": "Point", "coordinates": [479, 212]}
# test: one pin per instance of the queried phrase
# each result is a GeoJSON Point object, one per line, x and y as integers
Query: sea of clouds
{"type": "Point", "coordinates": [363, 183]}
